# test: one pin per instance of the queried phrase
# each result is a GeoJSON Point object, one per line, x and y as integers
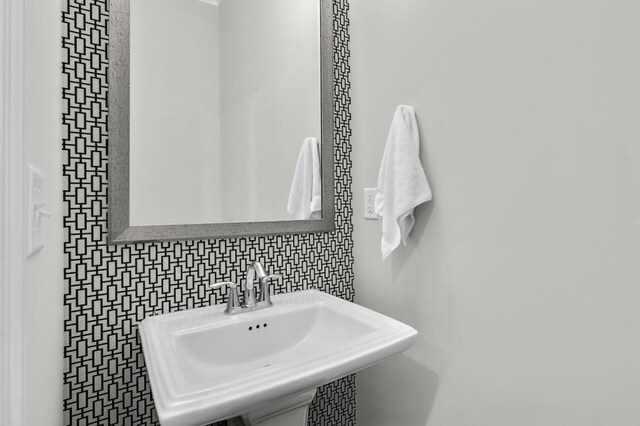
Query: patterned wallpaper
{"type": "Point", "coordinates": [109, 289]}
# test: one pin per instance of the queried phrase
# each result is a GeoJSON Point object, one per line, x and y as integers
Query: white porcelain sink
{"type": "Point", "coordinates": [206, 366]}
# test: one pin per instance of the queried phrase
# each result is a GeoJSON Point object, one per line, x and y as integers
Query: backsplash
{"type": "Point", "coordinates": [109, 289]}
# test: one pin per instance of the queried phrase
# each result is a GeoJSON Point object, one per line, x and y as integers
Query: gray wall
{"type": "Point", "coordinates": [522, 276]}
{"type": "Point", "coordinates": [175, 172]}
{"type": "Point", "coordinates": [43, 286]}
{"type": "Point", "coordinates": [270, 86]}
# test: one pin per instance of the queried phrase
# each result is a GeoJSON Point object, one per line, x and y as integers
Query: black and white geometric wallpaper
{"type": "Point", "coordinates": [109, 289]}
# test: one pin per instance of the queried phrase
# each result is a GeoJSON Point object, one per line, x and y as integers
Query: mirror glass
{"type": "Point", "coordinates": [225, 111]}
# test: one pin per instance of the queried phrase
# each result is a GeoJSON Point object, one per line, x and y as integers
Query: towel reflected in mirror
{"type": "Point", "coordinates": [305, 195]}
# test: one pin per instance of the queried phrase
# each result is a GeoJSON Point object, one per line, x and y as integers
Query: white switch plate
{"type": "Point", "coordinates": [36, 211]}
{"type": "Point", "coordinates": [369, 203]}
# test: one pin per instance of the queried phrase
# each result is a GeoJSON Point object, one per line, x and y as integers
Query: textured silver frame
{"type": "Point", "coordinates": [119, 229]}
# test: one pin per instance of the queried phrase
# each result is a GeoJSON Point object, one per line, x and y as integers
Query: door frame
{"type": "Point", "coordinates": [12, 208]}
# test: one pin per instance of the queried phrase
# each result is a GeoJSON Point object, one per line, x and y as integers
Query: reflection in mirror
{"type": "Point", "coordinates": [225, 111]}
{"type": "Point", "coordinates": [221, 118]}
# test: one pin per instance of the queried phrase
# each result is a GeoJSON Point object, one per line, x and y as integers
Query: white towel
{"type": "Point", "coordinates": [402, 184]}
{"type": "Point", "coordinates": [305, 195]}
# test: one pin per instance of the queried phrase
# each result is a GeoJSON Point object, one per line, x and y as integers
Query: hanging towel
{"type": "Point", "coordinates": [402, 184]}
{"type": "Point", "coordinates": [305, 195]}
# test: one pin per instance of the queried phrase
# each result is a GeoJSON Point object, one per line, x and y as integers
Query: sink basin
{"type": "Point", "coordinates": [206, 366]}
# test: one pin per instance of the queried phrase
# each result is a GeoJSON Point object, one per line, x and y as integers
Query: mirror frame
{"type": "Point", "coordinates": [119, 229]}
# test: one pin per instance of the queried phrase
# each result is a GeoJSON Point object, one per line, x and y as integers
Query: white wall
{"type": "Point", "coordinates": [175, 112]}
{"type": "Point", "coordinates": [523, 275]}
{"type": "Point", "coordinates": [43, 300]}
{"type": "Point", "coordinates": [270, 85]}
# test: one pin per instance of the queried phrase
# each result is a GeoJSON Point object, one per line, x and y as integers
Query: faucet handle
{"type": "Point", "coordinates": [265, 295]}
{"type": "Point", "coordinates": [233, 300]}
{"type": "Point", "coordinates": [273, 277]}
{"type": "Point", "coordinates": [233, 286]}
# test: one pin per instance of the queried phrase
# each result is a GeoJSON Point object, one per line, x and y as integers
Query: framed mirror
{"type": "Point", "coordinates": [221, 118]}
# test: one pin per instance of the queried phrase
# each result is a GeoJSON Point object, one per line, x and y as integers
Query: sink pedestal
{"type": "Point", "coordinates": [291, 411]}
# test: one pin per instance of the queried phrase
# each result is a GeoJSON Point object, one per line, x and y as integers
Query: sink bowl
{"type": "Point", "coordinates": [206, 366]}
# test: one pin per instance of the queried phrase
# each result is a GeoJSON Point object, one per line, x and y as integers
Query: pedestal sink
{"type": "Point", "coordinates": [206, 366]}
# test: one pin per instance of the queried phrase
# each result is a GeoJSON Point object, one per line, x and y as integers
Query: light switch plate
{"type": "Point", "coordinates": [35, 208]}
{"type": "Point", "coordinates": [369, 203]}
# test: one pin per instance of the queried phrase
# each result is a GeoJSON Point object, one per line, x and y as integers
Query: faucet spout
{"type": "Point", "coordinates": [255, 270]}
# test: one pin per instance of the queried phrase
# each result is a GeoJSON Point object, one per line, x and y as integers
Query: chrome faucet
{"type": "Point", "coordinates": [251, 303]}
{"type": "Point", "coordinates": [254, 269]}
